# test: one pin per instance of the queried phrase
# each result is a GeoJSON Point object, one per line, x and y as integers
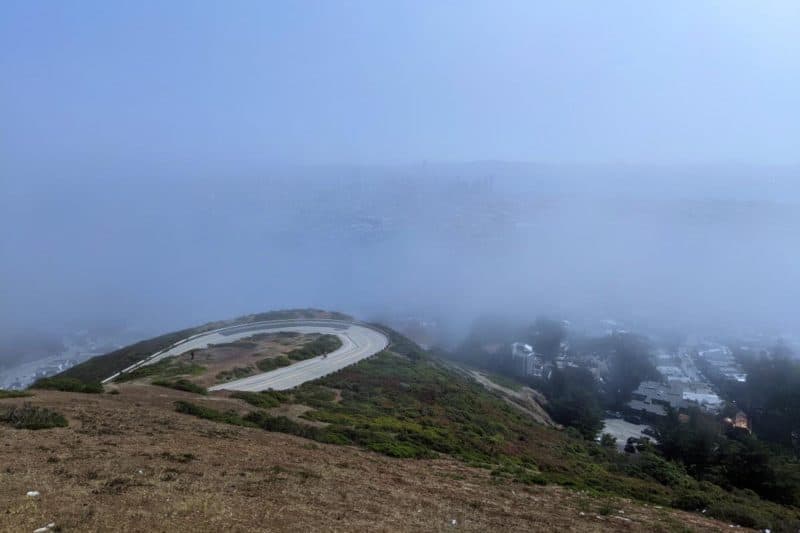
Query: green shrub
{"type": "Point", "coordinates": [404, 450]}
{"type": "Point", "coordinates": [692, 501]}
{"type": "Point", "coordinates": [182, 384]}
{"type": "Point", "coordinates": [234, 373]}
{"type": "Point", "coordinates": [282, 424]}
{"type": "Point", "coordinates": [319, 346]}
{"type": "Point", "coordinates": [228, 417]}
{"type": "Point", "coordinates": [314, 395]}
{"type": "Point", "coordinates": [262, 400]}
{"type": "Point", "coordinates": [32, 417]}
{"type": "Point", "coordinates": [67, 384]}
{"type": "Point", "coordinates": [735, 513]}
{"type": "Point", "coordinates": [608, 441]}
{"type": "Point", "coordinates": [271, 363]}
{"type": "Point", "coordinates": [650, 465]}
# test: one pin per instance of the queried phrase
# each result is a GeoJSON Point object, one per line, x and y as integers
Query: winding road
{"type": "Point", "coordinates": [359, 341]}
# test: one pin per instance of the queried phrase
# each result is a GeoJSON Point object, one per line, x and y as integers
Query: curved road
{"type": "Point", "coordinates": [359, 342]}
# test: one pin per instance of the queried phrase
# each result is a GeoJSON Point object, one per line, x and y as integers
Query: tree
{"type": "Point", "coordinates": [574, 400]}
{"type": "Point", "coordinates": [546, 336]}
{"type": "Point", "coordinates": [629, 365]}
{"type": "Point", "coordinates": [608, 440]}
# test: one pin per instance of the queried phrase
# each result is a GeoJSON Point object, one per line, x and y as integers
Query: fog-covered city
{"type": "Point", "coordinates": [683, 249]}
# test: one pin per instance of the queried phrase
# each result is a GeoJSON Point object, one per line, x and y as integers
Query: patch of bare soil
{"type": "Point", "coordinates": [128, 462]}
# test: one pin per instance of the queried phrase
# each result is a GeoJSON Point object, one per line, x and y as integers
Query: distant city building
{"type": "Point", "coordinates": [720, 362]}
{"type": "Point", "coordinates": [654, 397]}
{"type": "Point", "coordinates": [527, 362]}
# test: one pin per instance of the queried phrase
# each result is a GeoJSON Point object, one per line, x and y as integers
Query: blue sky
{"type": "Point", "coordinates": [252, 83]}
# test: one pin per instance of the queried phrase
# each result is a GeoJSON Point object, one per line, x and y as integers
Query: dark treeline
{"type": "Point", "coordinates": [770, 396]}
{"type": "Point", "coordinates": [727, 456]}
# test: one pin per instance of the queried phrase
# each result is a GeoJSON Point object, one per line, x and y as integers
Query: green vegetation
{"type": "Point", "coordinates": [284, 425]}
{"type": "Point", "coordinates": [262, 400]}
{"type": "Point", "coordinates": [234, 373]}
{"type": "Point", "coordinates": [228, 417]}
{"type": "Point", "coordinates": [165, 368]}
{"type": "Point", "coordinates": [732, 459]}
{"type": "Point", "coordinates": [32, 417]}
{"type": "Point", "coordinates": [14, 394]}
{"type": "Point", "coordinates": [574, 401]}
{"type": "Point", "coordinates": [182, 384]}
{"type": "Point", "coordinates": [67, 384]}
{"type": "Point", "coordinates": [322, 344]}
{"type": "Point", "coordinates": [608, 440]}
{"type": "Point", "coordinates": [271, 363]}
{"type": "Point", "coordinates": [505, 381]}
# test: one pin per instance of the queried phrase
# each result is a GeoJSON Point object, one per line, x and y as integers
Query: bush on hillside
{"type": "Point", "coordinates": [183, 385]}
{"type": "Point", "coordinates": [32, 417]}
{"type": "Point", "coordinates": [67, 384]}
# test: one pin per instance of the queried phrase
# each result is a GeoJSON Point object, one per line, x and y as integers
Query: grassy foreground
{"type": "Point", "coordinates": [414, 407]}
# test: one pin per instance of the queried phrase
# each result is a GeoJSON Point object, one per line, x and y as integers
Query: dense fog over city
{"type": "Point", "coordinates": [166, 165]}
{"type": "Point", "coordinates": [655, 247]}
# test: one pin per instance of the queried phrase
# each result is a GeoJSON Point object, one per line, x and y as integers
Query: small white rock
{"type": "Point", "coordinates": [51, 525]}
{"type": "Point", "coordinates": [32, 494]}
{"type": "Point", "coordinates": [453, 521]}
{"type": "Point", "coordinates": [42, 530]}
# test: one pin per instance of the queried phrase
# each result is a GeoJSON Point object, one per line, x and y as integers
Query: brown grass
{"type": "Point", "coordinates": [128, 462]}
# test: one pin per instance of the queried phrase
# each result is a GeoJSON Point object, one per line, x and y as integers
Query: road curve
{"type": "Point", "coordinates": [359, 341]}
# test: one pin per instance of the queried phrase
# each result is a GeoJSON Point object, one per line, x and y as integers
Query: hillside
{"type": "Point", "coordinates": [402, 425]}
{"type": "Point", "coordinates": [129, 462]}
{"type": "Point", "coordinates": [99, 368]}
